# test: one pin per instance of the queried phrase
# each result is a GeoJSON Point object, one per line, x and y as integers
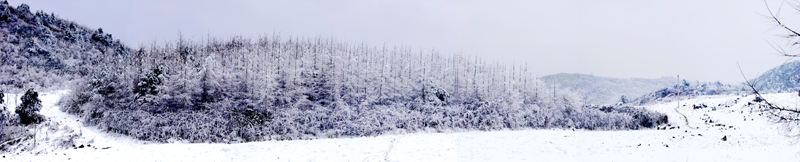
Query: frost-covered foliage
{"type": "Point", "coordinates": [603, 90]}
{"type": "Point", "coordinates": [28, 110]}
{"type": "Point", "coordinates": [41, 50]}
{"type": "Point", "coordinates": [277, 88]}
{"type": "Point", "coordinates": [5, 118]}
{"type": "Point", "coordinates": [11, 132]}
{"type": "Point", "coordinates": [783, 78]}
{"type": "Point", "coordinates": [642, 117]}
{"type": "Point", "coordinates": [685, 89]}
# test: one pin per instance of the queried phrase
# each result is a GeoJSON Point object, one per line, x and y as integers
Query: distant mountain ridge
{"type": "Point", "coordinates": [606, 90]}
{"type": "Point", "coordinates": [637, 91]}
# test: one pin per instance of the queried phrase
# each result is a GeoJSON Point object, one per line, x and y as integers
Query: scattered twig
{"type": "Point", "coordinates": [775, 16]}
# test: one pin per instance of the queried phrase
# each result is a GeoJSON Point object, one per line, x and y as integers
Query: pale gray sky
{"type": "Point", "coordinates": [697, 39]}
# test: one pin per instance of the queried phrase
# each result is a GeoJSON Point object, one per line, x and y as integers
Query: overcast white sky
{"type": "Point", "coordinates": [697, 39]}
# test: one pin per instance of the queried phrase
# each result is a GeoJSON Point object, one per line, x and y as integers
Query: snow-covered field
{"type": "Point", "coordinates": [748, 137]}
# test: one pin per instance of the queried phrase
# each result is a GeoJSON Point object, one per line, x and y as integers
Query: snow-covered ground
{"type": "Point", "coordinates": [748, 137]}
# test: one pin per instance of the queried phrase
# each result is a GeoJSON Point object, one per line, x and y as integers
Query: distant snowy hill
{"type": "Point", "coordinates": [782, 78]}
{"type": "Point", "coordinates": [690, 90]}
{"type": "Point", "coordinates": [605, 90]}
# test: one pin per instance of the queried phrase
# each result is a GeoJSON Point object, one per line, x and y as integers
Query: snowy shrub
{"type": "Point", "coordinates": [639, 117]}
{"type": "Point", "coordinates": [194, 126]}
{"type": "Point", "coordinates": [644, 118]}
{"type": "Point", "coordinates": [72, 102]}
{"type": "Point", "coordinates": [10, 135]}
{"type": "Point", "coordinates": [11, 132]}
{"type": "Point", "coordinates": [28, 110]}
{"type": "Point", "coordinates": [5, 116]}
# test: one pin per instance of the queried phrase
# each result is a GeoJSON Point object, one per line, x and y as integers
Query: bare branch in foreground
{"type": "Point", "coordinates": [793, 116]}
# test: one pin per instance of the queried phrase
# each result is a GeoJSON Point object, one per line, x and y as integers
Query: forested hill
{"type": "Point", "coordinates": [604, 90]}
{"type": "Point", "coordinates": [783, 78]}
{"type": "Point", "coordinates": [40, 50]}
{"type": "Point", "coordinates": [275, 87]}
{"type": "Point", "coordinates": [287, 88]}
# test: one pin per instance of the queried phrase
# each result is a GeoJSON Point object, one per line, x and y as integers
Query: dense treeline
{"type": "Point", "coordinates": [273, 87]}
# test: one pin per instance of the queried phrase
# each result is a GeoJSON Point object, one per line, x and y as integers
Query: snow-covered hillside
{"type": "Point", "coordinates": [725, 129]}
{"type": "Point", "coordinates": [782, 78]}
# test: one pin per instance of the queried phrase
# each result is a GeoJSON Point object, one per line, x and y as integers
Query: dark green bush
{"type": "Point", "coordinates": [28, 110]}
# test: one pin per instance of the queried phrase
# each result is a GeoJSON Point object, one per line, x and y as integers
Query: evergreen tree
{"type": "Point", "coordinates": [28, 111]}
{"type": "Point", "coordinates": [623, 99]}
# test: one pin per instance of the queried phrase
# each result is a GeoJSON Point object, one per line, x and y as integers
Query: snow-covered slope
{"type": "Point", "coordinates": [782, 78]}
{"type": "Point", "coordinates": [686, 89]}
{"type": "Point", "coordinates": [748, 137]}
